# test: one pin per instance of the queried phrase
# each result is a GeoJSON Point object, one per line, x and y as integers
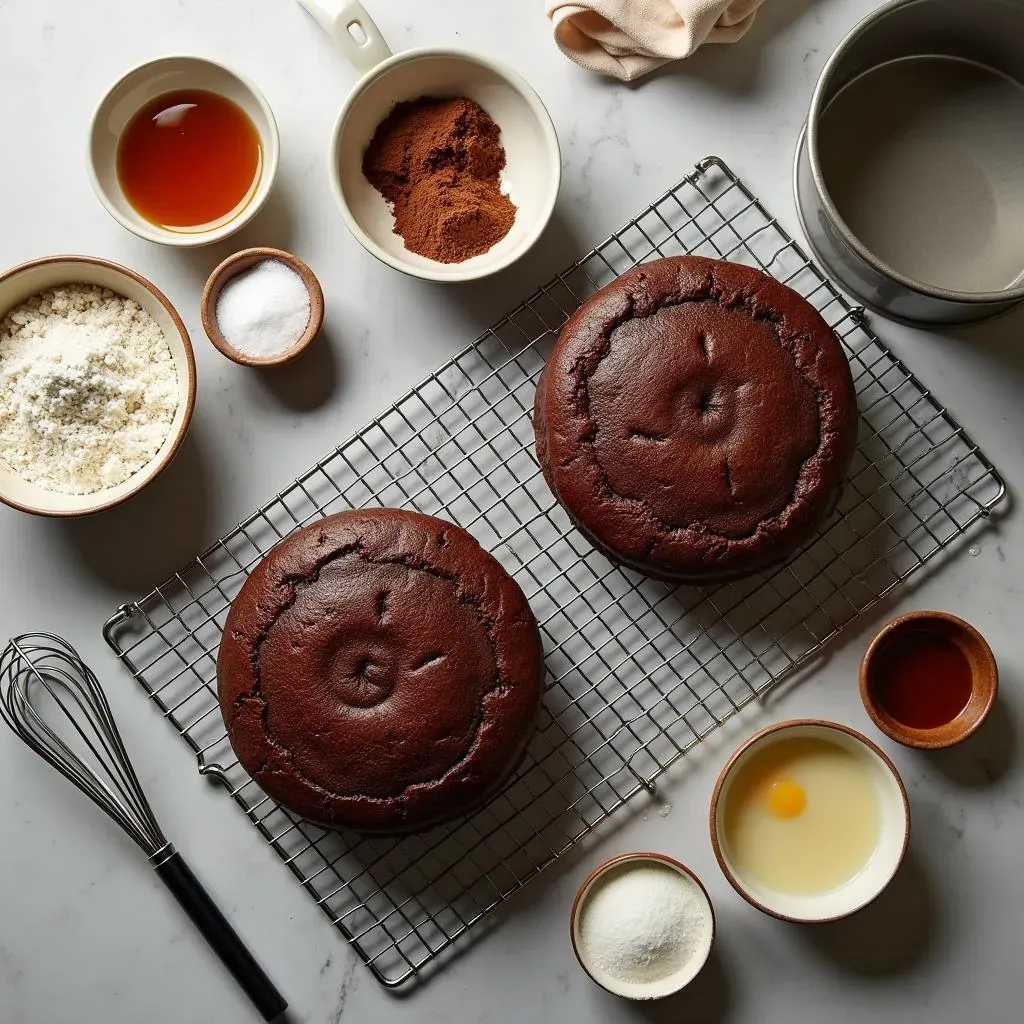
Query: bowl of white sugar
{"type": "Point", "coordinates": [262, 307]}
{"type": "Point", "coordinates": [97, 385]}
{"type": "Point", "coordinates": [642, 926]}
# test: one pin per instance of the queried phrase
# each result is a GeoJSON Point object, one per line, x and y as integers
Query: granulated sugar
{"type": "Point", "coordinates": [265, 310]}
{"type": "Point", "coordinates": [88, 389]}
{"type": "Point", "coordinates": [643, 922]}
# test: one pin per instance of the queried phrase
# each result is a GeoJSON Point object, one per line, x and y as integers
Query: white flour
{"type": "Point", "coordinates": [643, 922]}
{"type": "Point", "coordinates": [88, 389]}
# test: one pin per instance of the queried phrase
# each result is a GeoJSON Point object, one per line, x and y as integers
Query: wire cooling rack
{"type": "Point", "coordinates": [638, 672]}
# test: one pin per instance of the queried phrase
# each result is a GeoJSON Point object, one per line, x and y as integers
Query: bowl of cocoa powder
{"type": "Point", "coordinates": [445, 164]}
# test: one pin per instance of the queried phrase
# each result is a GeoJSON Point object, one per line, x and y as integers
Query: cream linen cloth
{"type": "Point", "coordinates": [629, 38]}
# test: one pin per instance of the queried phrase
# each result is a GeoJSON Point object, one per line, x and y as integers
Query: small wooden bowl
{"type": "Point", "coordinates": [984, 680]}
{"type": "Point", "coordinates": [242, 261]}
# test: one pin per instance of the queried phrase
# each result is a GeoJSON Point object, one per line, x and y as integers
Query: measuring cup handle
{"type": "Point", "coordinates": [353, 31]}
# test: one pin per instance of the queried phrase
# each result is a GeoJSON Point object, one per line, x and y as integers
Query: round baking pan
{"type": "Point", "coordinates": [909, 174]}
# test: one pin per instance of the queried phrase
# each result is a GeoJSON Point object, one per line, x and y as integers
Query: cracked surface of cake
{"type": "Point", "coordinates": [380, 671]}
{"type": "Point", "coordinates": [696, 419]}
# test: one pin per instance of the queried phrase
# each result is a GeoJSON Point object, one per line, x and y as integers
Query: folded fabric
{"type": "Point", "coordinates": [628, 38]}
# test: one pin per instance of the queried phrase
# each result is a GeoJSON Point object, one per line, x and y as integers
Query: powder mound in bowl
{"type": "Point", "coordinates": [643, 922]}
{"type": "Point", "coordinates": [88, 389]}
{"type": "Point", "coordinates": [438, 163]}
{"type": "Point", "coordinates": [264, 311]}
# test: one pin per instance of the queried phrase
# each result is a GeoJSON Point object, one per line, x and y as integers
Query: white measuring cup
{"type": "Point", "coordinates": [533, 163]}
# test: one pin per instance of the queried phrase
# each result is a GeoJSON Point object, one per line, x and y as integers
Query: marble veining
{"type": "Point", "coordinates": [349, 983]}
{"type": "Point", "coordinates": [85, 933]}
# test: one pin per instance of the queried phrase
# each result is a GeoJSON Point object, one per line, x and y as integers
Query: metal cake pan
{"type": "Point", "coordinates": [909, 174]}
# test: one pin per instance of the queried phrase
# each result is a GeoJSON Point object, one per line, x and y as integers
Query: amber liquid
{"type": "Point", "coordinates": [189, 160]}
{"type": "Point", "coordinates": [923, 679]}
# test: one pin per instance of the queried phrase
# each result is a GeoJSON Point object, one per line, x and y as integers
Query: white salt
{"type": "Point", "coordinates": [264, 311]}
{"type": "Point", "coordinates": [643, 922]}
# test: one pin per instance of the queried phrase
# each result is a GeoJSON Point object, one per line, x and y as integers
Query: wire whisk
{"type": "Point", "coordinates": [43, 665]}
{"type": "Point", "coordinates": [53, 701]}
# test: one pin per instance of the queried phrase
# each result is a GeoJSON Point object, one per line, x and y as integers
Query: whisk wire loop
{"type": "Point", "coordinates": [53, 701]}
{"type": "Point", "coordinates": [74, 730]}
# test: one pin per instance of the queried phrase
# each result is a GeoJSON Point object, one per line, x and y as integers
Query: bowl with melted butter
{"type": "Point", "coordinates": [809, 820]}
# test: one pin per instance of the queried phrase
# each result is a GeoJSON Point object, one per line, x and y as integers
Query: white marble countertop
{"type": "Point", "coordinates": [86, 932]}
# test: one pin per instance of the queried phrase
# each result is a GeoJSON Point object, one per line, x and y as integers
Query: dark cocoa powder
{"type": "Point", "coordinates": [438, 162]}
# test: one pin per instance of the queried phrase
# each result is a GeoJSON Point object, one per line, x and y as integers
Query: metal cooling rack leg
{"type": "Point", "coordinates": [110, 627]}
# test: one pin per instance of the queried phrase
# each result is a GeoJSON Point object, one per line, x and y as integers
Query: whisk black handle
{"type": "Point", "coordinates": [224, 940]}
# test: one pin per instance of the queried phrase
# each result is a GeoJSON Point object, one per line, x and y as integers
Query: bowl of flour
{"type": "Point", "coordinates": [97, 385]}
{"type": "Point", "coordinates": [642, 926]}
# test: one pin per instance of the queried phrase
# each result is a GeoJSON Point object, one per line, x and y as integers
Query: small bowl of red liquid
{"type": "Point", "coordinates": [183, 151]}
{"type": "Point", "coordinates": [928, 679]}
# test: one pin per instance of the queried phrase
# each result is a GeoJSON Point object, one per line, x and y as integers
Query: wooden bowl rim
{"type": "Point", "coordinates": [984, 681]}
{"type": "Point", "coordinates": [238, 263]}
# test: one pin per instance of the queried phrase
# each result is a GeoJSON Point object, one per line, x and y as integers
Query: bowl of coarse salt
{"type": "Point", "coordinates": [97, 385]}
{"type": "Point", "coordinates": [262, 307]}
{"type": "Point", "coordinates": [642, 926]}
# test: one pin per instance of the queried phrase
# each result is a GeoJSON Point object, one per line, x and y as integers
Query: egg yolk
{"type": "Point", "coordinates": [786, 798]}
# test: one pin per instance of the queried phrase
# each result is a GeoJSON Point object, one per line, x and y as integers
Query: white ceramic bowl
{"type": "Point", "coordinates": [894, 831]}
{"type": "Point", "coordinates": [18, 284]}
{"type": "Point", "coordinates": [531, 176]}
{"type": "Point", "coordinates": [138, 87]}
{"type": "Point", "coordinates": [679, 978]}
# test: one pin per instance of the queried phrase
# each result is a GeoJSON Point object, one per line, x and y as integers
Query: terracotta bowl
{"type": "Point", "coordinates": [242, 261]}
{"type": "Point", "coordinates": [984, 680]}
{"type": "Point", "coordinates": [18, 284]}
{"type": "Point", "coordinates": [653, 990]}
{"type": "Point", "coordinates": [890, 848]}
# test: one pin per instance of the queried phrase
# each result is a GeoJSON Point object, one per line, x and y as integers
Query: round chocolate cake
{"type": "Point", "coordinates": [380, 671]}
{"type": "Point", "coordinates": [696, 419]}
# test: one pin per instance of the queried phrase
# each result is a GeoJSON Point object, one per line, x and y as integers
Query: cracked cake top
{"type": "Point", "coordinates": [379, 670]}
{"type": "Point", "coordinates": [696, 419]}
